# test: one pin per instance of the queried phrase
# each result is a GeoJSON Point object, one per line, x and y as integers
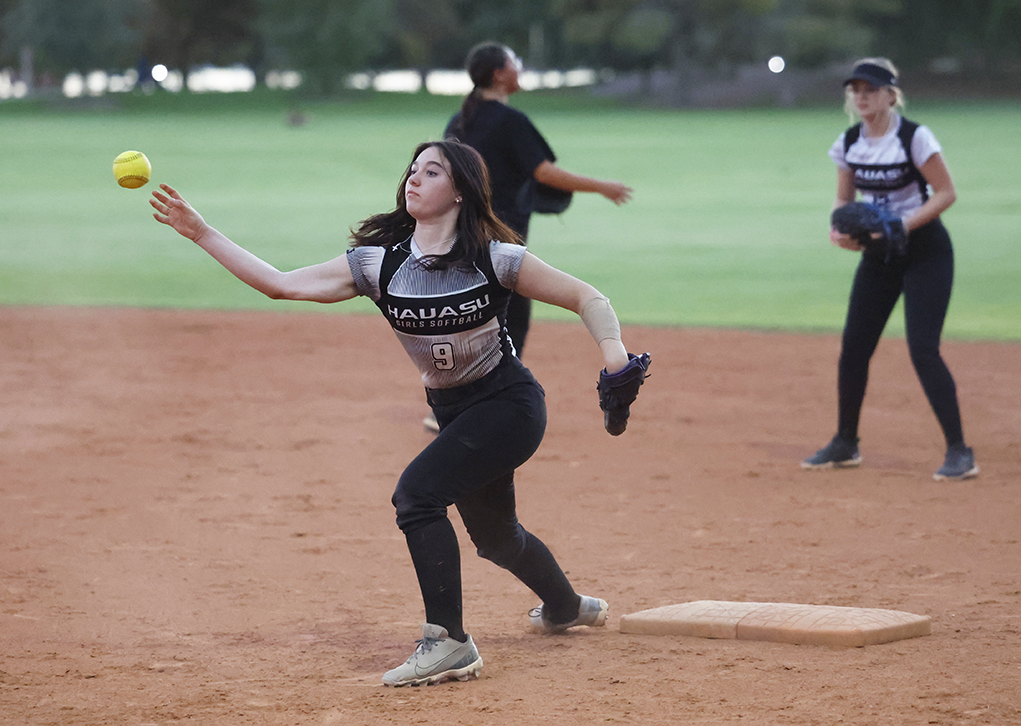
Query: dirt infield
{"type": "Point", "coordinates": [195, 527]}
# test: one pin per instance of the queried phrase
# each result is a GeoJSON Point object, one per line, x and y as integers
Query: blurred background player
{"type": "Point", "coordinates": [898, 165]}
{"type": "Point", "coordinates": [516, 155]}
{"type": "Point", "coordinates": [518, 158]}
{"type": "Point", "coordinates": [443, 249]}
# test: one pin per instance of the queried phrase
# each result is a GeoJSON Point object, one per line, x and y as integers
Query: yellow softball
{"type": "Point", "coordinates": [131, 169]}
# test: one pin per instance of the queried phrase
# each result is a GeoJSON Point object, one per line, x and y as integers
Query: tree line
{"type": "Point", "coordinates": [327, 39]}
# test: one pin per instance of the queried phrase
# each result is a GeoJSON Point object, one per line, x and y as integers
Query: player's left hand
{"type": "Point", "coordinates": [617, 391]}
{"type": "Point", "coordinates": [617, 192]}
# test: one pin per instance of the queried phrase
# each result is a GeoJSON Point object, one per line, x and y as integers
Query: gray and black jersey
{"type": "Point", "coordinates": [883, 171]}
{"type": "Point", "coordinates": [450, 322]}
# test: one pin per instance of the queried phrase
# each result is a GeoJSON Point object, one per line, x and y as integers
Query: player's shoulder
{"type": "Point", "coordinates": [365, 257]}
{"type": "Point", "coordinates": [452, 125]}
{"type": "Point", "coordinates": [850, 136]}
{"type": "Point", "coordinates": [510, 248]}
{"type": "Point", "coordinates": [506, 252]}
{"type": "Point", "coordinates": [838, 149]}
{"type": "Point", "coordinates": [916, 128]}
{"type": "Point", "coordinates": [509, 114]}
{"type": "Point", "coordinates": [506, 259]}
{"type": "Point", "coordinates": [365, 263]}
{"type": "Point", "coordinates": [921, 141]}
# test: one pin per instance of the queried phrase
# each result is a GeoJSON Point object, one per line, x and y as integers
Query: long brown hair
{"type": "Point", "coordinates": [476, 225]}
{"type": "Point", "coordinates": [482, 62]}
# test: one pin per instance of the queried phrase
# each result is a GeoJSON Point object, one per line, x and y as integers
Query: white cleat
{"type": "Point", "coordinates": [437, 658]}
{"type": "Point", "coordinates": [591, 612]}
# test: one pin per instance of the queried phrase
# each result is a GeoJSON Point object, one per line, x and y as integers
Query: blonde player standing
{"type": "Point", "coordinates": [896, 164]}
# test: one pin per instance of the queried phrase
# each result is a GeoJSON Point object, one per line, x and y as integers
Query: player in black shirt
{"type": "Point", "coordinates": [517, 155]}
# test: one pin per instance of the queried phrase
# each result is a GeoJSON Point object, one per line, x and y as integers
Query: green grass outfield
{"type": "Point", "coordinates": [728, 226]}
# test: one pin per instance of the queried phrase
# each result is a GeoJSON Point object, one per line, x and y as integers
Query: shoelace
{"type": "Point", "coordinates": [424, 646]}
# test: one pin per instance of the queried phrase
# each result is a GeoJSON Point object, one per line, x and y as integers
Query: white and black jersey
{"type": "Point", "coordinates": [884, 173]}
{"type": "Point", "coordinates": [450, 322]}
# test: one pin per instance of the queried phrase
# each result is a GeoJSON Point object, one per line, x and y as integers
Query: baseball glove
{"type": "Point", "coordinates": [878, 230]}
{"type": "Point", "coordinates": [617, 391]}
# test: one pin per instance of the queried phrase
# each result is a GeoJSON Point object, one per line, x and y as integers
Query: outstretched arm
{"type": "Point", "coordinates": [325, 282]}
{"type": "Point", "coordinates": [552, 175]}
{"type": "Point", "coordinates": [544, 283]}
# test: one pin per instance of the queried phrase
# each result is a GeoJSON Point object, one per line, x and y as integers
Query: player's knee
{"type": "Point", "coordinates": [925, 356]}
{"type": "Point", "coordinates": [502, 549]}
{"type": "Point", "coordinates": [414, 508]}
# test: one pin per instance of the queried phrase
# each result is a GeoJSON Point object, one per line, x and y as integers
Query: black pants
{"type": "Point", "coordinates": [925, 277]}
{"type": "Point", "coordinates": [487, 430]}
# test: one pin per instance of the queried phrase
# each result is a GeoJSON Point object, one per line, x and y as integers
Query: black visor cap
{"type": "Point", "coordinates": [871, 73]}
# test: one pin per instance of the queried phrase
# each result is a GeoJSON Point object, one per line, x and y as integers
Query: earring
{"type": "Point", "coordinates": [458, 200]}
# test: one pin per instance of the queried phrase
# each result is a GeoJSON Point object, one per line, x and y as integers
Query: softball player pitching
{"type": "Point", "coordinates": [441, 268]}
{"type": "Point", "coordinates": [898, 166]}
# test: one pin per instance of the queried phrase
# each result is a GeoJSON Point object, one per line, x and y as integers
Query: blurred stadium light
{"type": "Point", "coordinates": [240, 78]}
{"type": "Point", "coordinates": [10, 87]}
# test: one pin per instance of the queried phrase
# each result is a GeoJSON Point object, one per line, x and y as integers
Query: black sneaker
{"type": "Point", "coordinates": [838, 453]}
{"type": "Point", "coordinates": [958, 464]}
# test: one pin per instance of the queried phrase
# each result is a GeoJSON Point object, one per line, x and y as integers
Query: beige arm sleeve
{"type": "Point", "coordinates": [600, 319]}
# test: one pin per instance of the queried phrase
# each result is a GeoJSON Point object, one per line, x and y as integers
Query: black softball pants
{"type": "Point", "coordinates": [487, 430]}
{"type": "Point", "coordinates": [925, 277]}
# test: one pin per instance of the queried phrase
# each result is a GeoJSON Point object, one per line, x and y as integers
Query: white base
{"type": "Point", "coordinates": [778, 622]}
